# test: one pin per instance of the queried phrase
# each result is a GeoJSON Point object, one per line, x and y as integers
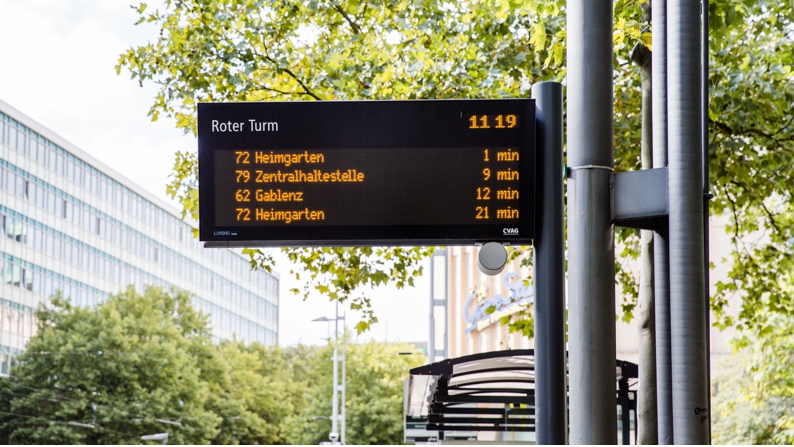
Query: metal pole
{"type": "Point", "coordinates": [591, 250]}
{"type": "Point", "coordinates": [687, 283]}
{"type": "Point", "coordinates": [343, 436]}
{"type": "Point", "coordinates": [431, 345]}
{"type": "Point", "coordinates": [704, 125]}
{"type": "Point", "coordinates": [446, 304]}
{"type": "Point", "coordinates": [664, 382]}
{"type": "Point", "coordinates": [335, 410]}
{"type": "Point", "coordinates": [550, 392]}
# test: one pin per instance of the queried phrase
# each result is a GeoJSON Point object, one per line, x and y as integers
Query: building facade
{"type": "Point", "coordinates": [471, 330]}
{"type": "Point", "coordinates": [470, 292]}
{"type": "Point", "coordinates": [72, 224]}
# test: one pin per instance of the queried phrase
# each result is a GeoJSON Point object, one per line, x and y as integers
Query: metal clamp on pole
{"type": "Point", "coordinates": [576, 168]}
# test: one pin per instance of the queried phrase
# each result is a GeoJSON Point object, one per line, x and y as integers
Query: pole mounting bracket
{"type": "Point", "coordinates": [639, 199]}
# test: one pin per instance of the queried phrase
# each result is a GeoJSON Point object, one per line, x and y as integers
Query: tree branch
{"type": "Point", "coordinates": [729, 130]}
{"type": "Point", "coordinates": [356, 29]}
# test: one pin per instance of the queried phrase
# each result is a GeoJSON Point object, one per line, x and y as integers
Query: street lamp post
{"type": "Point", "coordinates": [335, 418]}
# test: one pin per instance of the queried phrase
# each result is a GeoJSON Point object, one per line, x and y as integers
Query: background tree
{"type": "Point", "coordinates": [321, 50]}
{"type": "Point", "coordinates": [256, 50]}
{"type": "Point", "coordinates": [754, 393]}
{"type": "Point", "coordinates": [254, 394]}
{"type": "Point", "coordinates": [142, 364]}
{"type": "Point", "coordinates": [375, 375]}
{"type": "Point", "coordinates": [110, 374]}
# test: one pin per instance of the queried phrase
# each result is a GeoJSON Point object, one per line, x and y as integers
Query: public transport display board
{"type": "Point", "coordinates": [352, 173]}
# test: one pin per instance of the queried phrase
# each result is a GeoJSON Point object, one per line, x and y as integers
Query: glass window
{"type": "Point", "coordinates": [78, 174]}
{"type": "Point", "coordinates": [19, 186]}
{"type": "Point", "coordinates": [36, 238]}
{"type": "Point", "coordinates": [29, 279]}
{"type": "Point", "coordinates": [12, 138]}
{"type": "Point", "coordinates": [41, 157]}
{"type": "Point", "coordinates": [50, 249]}
{"type": "Point", "coordinates": [58, 163]}
{"type": "Point", "coordinates": [33, 148]}
{"type": "Point", "coordinates": [76, 255]}
{"type": "Point", "coordinates": [67, 251]}
{"type": "Point", "coordinates": [23, 142]}
{"type": "Point", "coordinates": [57, 244]}
{"type": "Point", "coordinates": [16, 275]}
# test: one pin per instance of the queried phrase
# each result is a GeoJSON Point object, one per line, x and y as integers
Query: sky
{"type": "Point", "coordinates": [57, 65]}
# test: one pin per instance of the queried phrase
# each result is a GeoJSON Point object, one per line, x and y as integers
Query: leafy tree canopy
{"type": "Point", "coordinates": [258, 50]}
{"type": "Point", "coordinates": [753, 395]}
{"type": "Point", "coordinates": [136, 365]}
{"type": "Point", "coordinates": [374, 399]}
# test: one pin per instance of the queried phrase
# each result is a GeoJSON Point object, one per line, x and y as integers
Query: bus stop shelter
{"type": "Point", "coordinates": [491, 397]}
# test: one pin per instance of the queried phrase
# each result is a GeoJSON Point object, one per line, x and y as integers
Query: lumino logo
{"type": "Point", "coordinates": [510, 231]}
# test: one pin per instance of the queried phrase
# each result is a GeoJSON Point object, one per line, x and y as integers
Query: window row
{"type": "Point", "coordinates": [78, 254]}
{"type": "Point", "coordinates": [17, 321]}
{"type": "Point", "coordinates": [39, 149]}
{"type": "Point", "coordinates": [234, 324]}
{"type": "Point", "coordinates": [129, 239]}
{"type": "Point", "coordinates": [46, 283]}
{"type": "Point", "coordinates": [65, 164]}
{"type": "Point", "coordinates": [42, 282]}
{"type": "Point", "coordinates": [8, 359]}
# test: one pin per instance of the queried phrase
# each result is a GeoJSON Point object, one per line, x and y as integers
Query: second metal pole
{"type": "Point", "coordinates": [689, 345]}
{"type": "Point", "coordinates": [664, 381]}
{"type": "Point", "coordinates": [343, 437]}
{"type": "Point", "coordinates": [591, 250]}
{"type": "Point", "coordinates": [335, 409]}
{"type": "Point", "coordinates": [550, 389]}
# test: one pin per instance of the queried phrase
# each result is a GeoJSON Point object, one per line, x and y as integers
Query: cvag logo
{"type": "Point", "coordinates": [510, 231]}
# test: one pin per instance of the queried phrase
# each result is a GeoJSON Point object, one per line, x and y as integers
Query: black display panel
{"type": "Point", "coordinates": [339, 173]}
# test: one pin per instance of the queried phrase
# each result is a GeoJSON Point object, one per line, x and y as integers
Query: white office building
{"type": "Point", "coordinates": [71, 223]}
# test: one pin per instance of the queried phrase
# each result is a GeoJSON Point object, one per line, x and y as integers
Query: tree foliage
{"type": "Point", "coordinates": [321, 50]}
{"type": "Point", "coordinates": [141, 364]}
{"type": "Point", "coordinates": [754, 395]}
{"type": "Point", "coordinates": [259, 50]}
{"type": "Point", "coordinates": [374, 398]}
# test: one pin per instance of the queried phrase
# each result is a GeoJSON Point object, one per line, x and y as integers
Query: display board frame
{"type": "Point", "coordinates": [429, 129]}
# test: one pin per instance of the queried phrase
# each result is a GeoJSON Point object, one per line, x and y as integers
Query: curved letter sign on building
{"type": "Point", "coordinates": [475, 311]}
{"type": "Point", "coordinates": [319, 173]}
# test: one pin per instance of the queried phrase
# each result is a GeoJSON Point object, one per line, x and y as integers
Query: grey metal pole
{"type": "Point", "coordinates": [550, 390]}
{"type": "Point", "coordinates": [704, 125]}
{"type": "Point", "coordinates": [591, 250]}
{"type": "Point", "coordinates": [431, 342]}
{"type": "Point", "coordinates": [343, 436]}
{"type": "Point", "coordinates": [687, 283]}
{"type": "Point", "coordinates": [446, 304]}
{"type": "Point", "coordinates": [335, 409]}
{"type": "Point", "coordinates": [664, 382]}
